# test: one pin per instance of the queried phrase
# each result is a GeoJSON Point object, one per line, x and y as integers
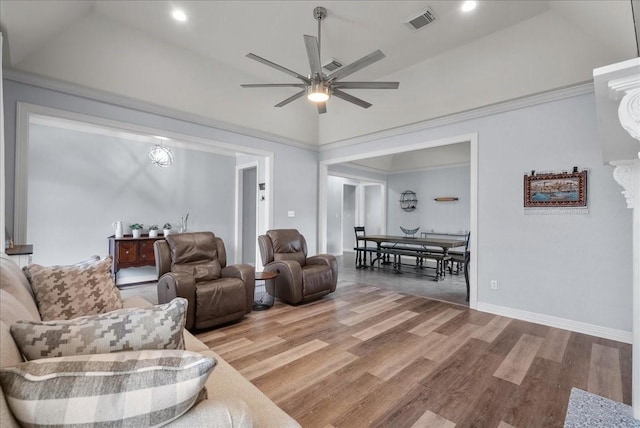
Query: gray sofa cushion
{"type": "Point", "coordinates": [134, 329]}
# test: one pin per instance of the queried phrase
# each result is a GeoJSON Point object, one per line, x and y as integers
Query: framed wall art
{"type": "Point", "coordinates": [556, 190]}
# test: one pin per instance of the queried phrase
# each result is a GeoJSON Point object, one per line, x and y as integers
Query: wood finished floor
{"type": "Point", "coordinates": [365, 356]}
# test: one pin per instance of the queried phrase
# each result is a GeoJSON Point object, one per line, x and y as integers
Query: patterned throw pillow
{"type": "Point", "coordinates": [141, 388]}
{"type": "Point", "coordinates": [66, 292]}
{"type": "Point", "coordinates": [132, 329]}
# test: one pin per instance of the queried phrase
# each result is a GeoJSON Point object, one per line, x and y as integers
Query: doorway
{"type": "Point", "coordinates": [338, 162]}
{"type": "Point", "coordinates": [352, 201]}
{"type": "Point", "coordinates": [374, 212]}
{"type": "Point", "coordinates": [132, 143]}
{"type": "Point", "coordinates": [348, 217]}
{"type": "Point", "coordinates": [249, 214]}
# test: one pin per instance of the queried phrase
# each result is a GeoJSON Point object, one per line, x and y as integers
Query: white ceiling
{"type": "Point", "coordinates": [225, 31]}
{"type": "Point", "coordinates": [502, 50]}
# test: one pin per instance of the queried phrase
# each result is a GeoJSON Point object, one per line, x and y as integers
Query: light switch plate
{"type": "Point", "coordinates": [291, 213]}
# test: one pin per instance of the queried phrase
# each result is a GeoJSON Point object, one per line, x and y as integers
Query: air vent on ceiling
{"type": "Point", "coordinates": [332, 65]}
{"type": "Point", "coordinates": [420, 20]}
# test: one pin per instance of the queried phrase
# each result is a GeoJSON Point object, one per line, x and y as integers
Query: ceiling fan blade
{"type": "Point", "coordinates": [322, 108]}
{"type": "Point", "coordinates": [366, 85]}
{"type": "Point", "coordinates": [273, 85]}
{"type": "Point", "coordinates": [278, 67]}
{"type": "Point", "coordinates": [338, 93]}
{"type": "Point", "coordinates": [357, 65]}
{"type": "Point", "coordinates": [291, 98]}
{"type": "Point", "coordinates": [314, 54]}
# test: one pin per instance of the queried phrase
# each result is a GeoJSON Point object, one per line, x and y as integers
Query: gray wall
{"type": "Point", "coordinates": [80, 183]}
{"type": "Point", "coordinates": [295, 169]}
{"type": "Point", "coordinates": [575, 267]}
{"type": "Point", "coordinates": [443, 217]}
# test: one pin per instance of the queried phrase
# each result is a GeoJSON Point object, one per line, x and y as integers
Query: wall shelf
{"type": "Point", "coordinates": [408, 200]}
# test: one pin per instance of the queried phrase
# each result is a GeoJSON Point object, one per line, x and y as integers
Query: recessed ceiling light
{"type": "Point", "coordinates": [179, 15]}
{"type": "Point", "coordinates": [469, 5]}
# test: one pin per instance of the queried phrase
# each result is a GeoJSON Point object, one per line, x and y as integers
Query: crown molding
{"type": "Point", "coordinates": [488, 110]}
{"type": "Point", "coordinates": [147, 107]}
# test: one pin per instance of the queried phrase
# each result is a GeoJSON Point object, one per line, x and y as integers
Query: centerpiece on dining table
{"type": "Point", "coordinates": [409, 233]}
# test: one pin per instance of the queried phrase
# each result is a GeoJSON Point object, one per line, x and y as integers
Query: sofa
{"type": "Point", "coordinates": [232, 400]}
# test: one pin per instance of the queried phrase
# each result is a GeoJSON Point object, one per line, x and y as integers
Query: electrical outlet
{"type": "Point", "coordinates": [494, 284]}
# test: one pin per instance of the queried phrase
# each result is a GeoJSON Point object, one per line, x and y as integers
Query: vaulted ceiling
{"type": "Point", "coordinates": [500, 51]}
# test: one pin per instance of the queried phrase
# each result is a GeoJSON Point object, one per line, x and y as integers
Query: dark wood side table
{"type": "Point", "coordinates": [21, 254]}
{"type": "Point", "coordinates": [263, 299]}
{"type": "Point", "coordinates": [131, 252]}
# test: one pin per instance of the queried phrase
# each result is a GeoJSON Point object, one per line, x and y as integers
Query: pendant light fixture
{"type": "Point", "coordinates": [160, 155]}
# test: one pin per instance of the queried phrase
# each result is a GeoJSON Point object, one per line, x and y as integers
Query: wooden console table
{"type": "Point", "coordinates": [131, 252]}
{"type": "Point", "coordinates": [21, 254]}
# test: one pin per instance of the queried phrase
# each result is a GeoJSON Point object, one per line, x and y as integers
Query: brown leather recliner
{"type": "Point", "coordinates": [194, 266]}
{"type": "Point", "coordinates": [300, 278]}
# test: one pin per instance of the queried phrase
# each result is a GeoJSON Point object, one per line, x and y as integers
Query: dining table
{"type": "Point", "coordinates": [418, 244]}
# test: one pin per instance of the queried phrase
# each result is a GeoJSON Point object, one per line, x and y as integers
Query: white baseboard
{"type": "Point", "coordinates": [551, 321]}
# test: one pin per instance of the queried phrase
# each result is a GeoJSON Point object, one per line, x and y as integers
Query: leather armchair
{"type": "Point", "coordinates": [300, 278]}
{"type": "Point", "coordinates": [194, 266]}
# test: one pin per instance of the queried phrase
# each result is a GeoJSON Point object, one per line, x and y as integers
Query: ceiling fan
{"type": "Point", "coordinates": [318, 86]}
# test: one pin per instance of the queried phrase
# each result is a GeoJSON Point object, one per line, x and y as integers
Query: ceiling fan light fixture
{"type": "Point", "coordinates": [318, 86]}
{"type": "Point", "coordinates": [318, 93]}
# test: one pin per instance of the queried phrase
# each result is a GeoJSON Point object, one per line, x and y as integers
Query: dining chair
{"type": "Point", "coordinates": [459, 257]}
{"type": "Point", "coordinates": [361, 248]}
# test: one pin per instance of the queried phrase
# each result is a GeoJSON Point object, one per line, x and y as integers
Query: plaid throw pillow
{"type": "Point", "coordinates": [66, 292]}
{"type": "Point", "coordinates": [135, 329]}
{"type": "Point", "coordinates": [141, 388]}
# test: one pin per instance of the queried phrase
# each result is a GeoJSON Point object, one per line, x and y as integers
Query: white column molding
{"type": "Point", "coordinates": [625, 174]}
{"type": "Point", "coordinates": [626, 90]}
{"type": "Point", "coordinates": [635, 393]}
{"type": "Point", "coordinates": [3, 206]}
{"type": "Point", "coordinates": [629, 113]}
